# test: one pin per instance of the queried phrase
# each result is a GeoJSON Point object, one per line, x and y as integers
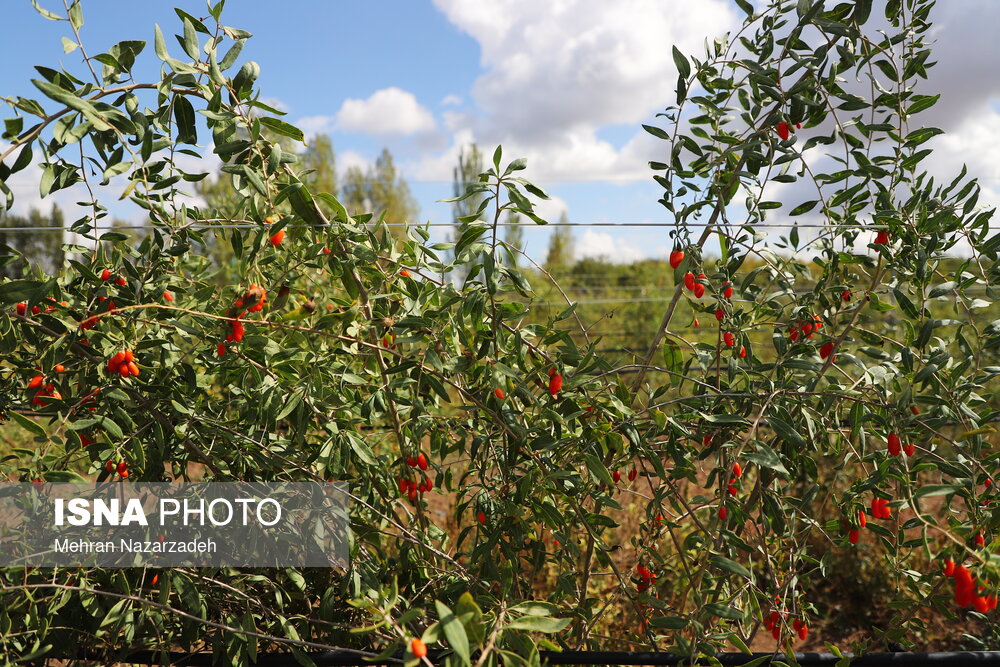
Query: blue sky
{"type": "Point", "coordinates": [566, 84]}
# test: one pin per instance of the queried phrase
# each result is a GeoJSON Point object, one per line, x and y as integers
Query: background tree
{"type": "Point", "coordinates": [30, 242]}
{"type": "Point", "coordinates": [559, 257]}
{"type": "Point", "coordinates": [383, 191]}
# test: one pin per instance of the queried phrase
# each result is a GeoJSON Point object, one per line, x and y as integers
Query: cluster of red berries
{"type": "Point", "coordinates": [44, 393]}
{"type": "Point", "coordinates": [880, 508]}
{"type": "Point", "coordinates": [895, 447]}
{"type": "Point", "coordinates": [966, 594]}
{"type": "Point", "coordinates": [646, 578]}
{"type": "Point", "coordinates": [734, 480]}
{"type": "Point", "coordinates": [253, 301]}
{"type": "Point", "coordinates": [806, 329]}
{"type": "Point", "coordinates": [410, 488]}
{"type": "Point", "coordinates": [123, 363]}
{"type": "Point", "coordinates": [784, 130]}
{"type": "Point", "coordinates": [555, 382]}
{"type": "Point", "coordinates": [106, 276]}
{"type": "Point", "coordinates": [121, 468]}
{"type": "Point", "coordinates": [694, 284]}
{"type": "Point", "coordinates": [22, 308]}
{"type": "Point", "coordinates": [632, 475]}
{"type": "Point", "coordinates": [773, 623]}
{"type": "Point", "coordinates": [854, 534]}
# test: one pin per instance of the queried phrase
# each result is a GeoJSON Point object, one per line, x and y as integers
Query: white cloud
{"type": "Point", "coordinates": [605, 246]}
{"type": "Point", "coordinates": [390, 111]}
{"type": "Point", "coordinates": [451, 100]}
{"type": "Point", "coordinates": [348, 159]}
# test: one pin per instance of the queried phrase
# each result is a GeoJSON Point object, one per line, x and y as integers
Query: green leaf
{"type": "Point", "coordinates": [730, 566]}
{"type": "Point", "coordinates": [919, 103]}
{"type": "Point", "coordinates": [282, 128]}
{"type": "Point", "coordinates": [454, 632]}
{"type": "Point", "coordinates": [187, 132]}
{"type": "Point", "coordinates": [545, 624]}
{"type": "Point", "coordinates": [76, 15]}
{"type": "Point", "coordinates": [723, 611]}
{"type": "Point", "coordinates": [786, 431]}
{"type": "Point", "coordinates": [20, 290]}
{"type": "Point", "coordinates": [85, 107]}
{"type": "Point", "coordinates": [190, 41]}
{"type": "Point", "coordinates": [52, 16]}
{"type": "Point", "coordinates": [669, 622]}
{"type": "Point", "coordinates": [765, 457]}
{"type": "Point", "coordinates": [929, 490]}
{"type": "Point", "coordinates": [69, 46]}
{"type": "Point", "coordinates": [27, 424]}
{"type": "Point", "coordinates": [683, 66]}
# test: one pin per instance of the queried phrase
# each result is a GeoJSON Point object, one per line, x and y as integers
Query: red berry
{"type": "Point", "coordinates": [845, 296]}
{"type": "Point", "coordinates": [36, 382]}
{"type": "Point", "coordinates": [825, 350]}
{"type": "Point", "coordinates": [632, 474]}
{"type": "Point", "coordinates": [737, 470]}
{"type": "Point", "coordinates": [220, 349]}
{"type": "Point", "coordinates": [412, 494]}
{"type": "Point", "coordinates": [733, 490]}
{"type": "Point", "coordinates": [743, 352]}
{"type": "Point", "coordinates": [909, 449]}
{"type": "Point", "coordinates": [418, 648]}
{"type": "Point", "coordinates": [421, 461]}
{"type": "Point", "coordinates": [893, 444]}
{"type": "Point", "coordinates": [783, 130]}
{"type": "Point", "coordinates": [853, 536]}
{"type": "Point", "coordinates": [277, 238]}
{"type": "Point", "coordinates": [727, 290]}
{"type": "Point", "coordinates": [803, 631]}
{"type": "Point", "coordinates": [696, 322]}
{"type": "Point", "coordinates": [121, 282]}
{"type": "Point", "coordinates": [481, 517]}
{"type": "Point", "coordinates": [699, 287]}
{"type": "Point", "coordinates": [555, 384]}
{"type": "Point", "coordinates": [105, 275]}
{"type": "Point", "coordinates": [729, 339]}
{"type": "Point", "coordinates": [794, 334]}
{"type": "Point", "coordinates": [676, 257]}
{"type": "Point", "coordinates": [498, 392]}
{"type": "Point", "coordinates": [167, 296]}
{"type": "Point", "coordinates": [689, 281]}
{"type": "Point", "coordinates": [326, 251]}
{"type": "Point", "coordinates": [616, 476]}
{"type": "Point", "coordinates": [723, 512]}
{"type": "Point", "coordinates": [949, 567]}
{"type": "Point", "coordinates": [411, 461]}
{"type": "Point", "coordinates": [122, 468]}
{"type": "Point", "coordinates": [21, 308]}
{"type": "Point", "coordinates": [58, 368]}
{"type": "Point", "coordinates": [862, 518]}
{"type": "Point", "coordinates": [719, 314]}
{"type": "Point", "coordinates": [980, 540]}
{"type": "Point", "coordinates": [404, 273]}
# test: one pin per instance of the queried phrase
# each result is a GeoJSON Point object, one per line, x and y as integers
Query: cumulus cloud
{"type": "Point", "coordinates": [605, 246]}
{"type": "Point", "coordinates": [390, 111]}
{"type": "Point", "coordinates": [451, 100]}
{"type": "Point", "coordinates": [556, 72]}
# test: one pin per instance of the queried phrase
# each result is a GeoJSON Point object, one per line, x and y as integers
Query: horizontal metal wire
{"type": "Point", "coordinates": [348, 658]}
{"type": "Point", "coordinates": [765, 225]}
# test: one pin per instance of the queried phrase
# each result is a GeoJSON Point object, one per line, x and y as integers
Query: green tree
{"type": "Point", "coordinates": [560, 255]}
{"type": "Point", "coordinates": [383, 191]}
{"type": "Point", "coordinates": [34, 240]}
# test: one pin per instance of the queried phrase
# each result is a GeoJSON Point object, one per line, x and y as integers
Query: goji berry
{"type": "Point", "coordinates": [676, 257]}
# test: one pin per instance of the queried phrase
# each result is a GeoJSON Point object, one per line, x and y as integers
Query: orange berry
{"type": "Point", "coordinates": [269, 220]}
{"type": "Point", "coordinates": [277, 238]}
{"type": "Point", "coordinates": [58, 368]}
{"type": "Point", "coordinates": [167, 296]}
{"type": "Point", "coordinates": [404, 273]}
{"type": "Point", "coordinates": [36, 382]}
{"type": "Point", "coordinates": [498, 392]}
{"type": "Point", "coordinates": [418, 648]}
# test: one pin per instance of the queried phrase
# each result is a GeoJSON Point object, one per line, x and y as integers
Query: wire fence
{"type": "Point", "coordinates": [352, 659]}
